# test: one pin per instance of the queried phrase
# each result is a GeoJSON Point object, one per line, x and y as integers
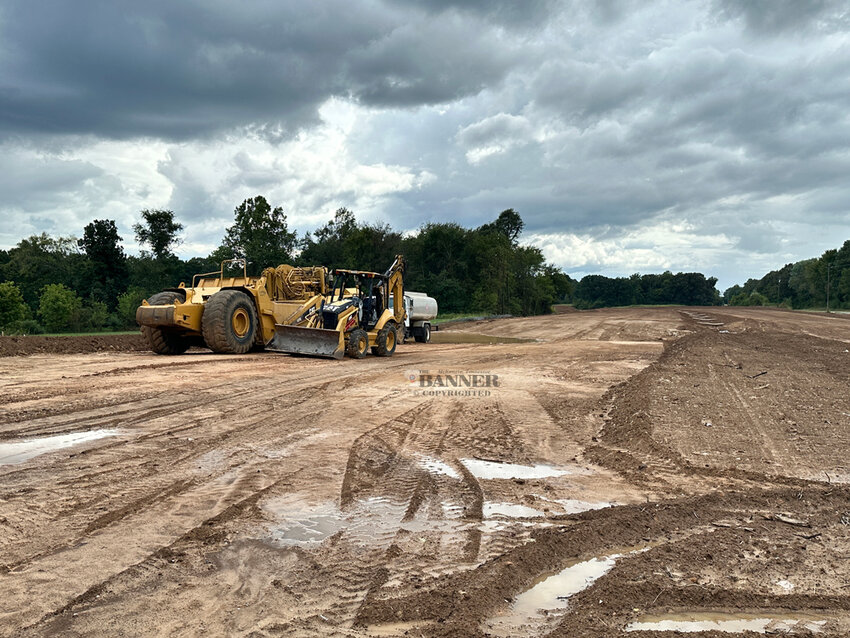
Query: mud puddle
{"type": "Point", "coordinates": [372, 521]}
{"type": "Point", "coordinates": [307, 526]}
{"type": "Point", "coordinates": [730, 623]}
{"type": "Point", "coordinates": [21, 451]}
{"type": "Point", "coordinates": [510, 510]}
{"type": "Point", "coordinates": [481, 469]}
{"type": "Point", "coordinates": [548, 598]}
{"type": "Point", "coordinates": [436, 466]}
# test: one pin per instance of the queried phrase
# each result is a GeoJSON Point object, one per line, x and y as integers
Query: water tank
{"type": "Point", "coordinates": [421, 307]}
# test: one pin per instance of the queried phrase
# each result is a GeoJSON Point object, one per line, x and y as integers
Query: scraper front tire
{"type": "Point", "coordinates": [229, 322]}
{"type": "Point", "coordinates": [160, 340]}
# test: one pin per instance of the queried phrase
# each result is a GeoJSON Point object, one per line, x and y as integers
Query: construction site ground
{"type": "Point", "coordinates": [622, 472]}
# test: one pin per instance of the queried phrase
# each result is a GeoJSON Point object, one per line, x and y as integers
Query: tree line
{"type": "Point", "coordinates": [66, 284]}
{"type": "Point", "coordinates": [681, 289]}
{"type": "Point", "coordinates": [804, 284]}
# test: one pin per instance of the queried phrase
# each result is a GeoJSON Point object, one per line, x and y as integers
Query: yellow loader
{"type": "Point", "coordinates": [229, 315]}
{"type": "Point", "coordinates": [363, 310]}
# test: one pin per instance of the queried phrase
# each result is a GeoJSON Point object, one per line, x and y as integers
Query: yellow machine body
{"type": "Point", "coordinates": [274, 296]}
{"type": "Point", "coordinates": [349, 319]}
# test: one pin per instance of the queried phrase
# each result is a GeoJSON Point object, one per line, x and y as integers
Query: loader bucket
{"type": "Point", "coordinates": [311, 341]}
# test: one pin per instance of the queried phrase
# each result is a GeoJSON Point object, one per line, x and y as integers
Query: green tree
{"type": "Point", "coordinates": [326, 245]}
{"type": "Point", "coordinates": [441, 262]}
{"type": "Point", "coordinates": [260, 233]}
{"type": "Point", "coordinates": [59, 308]}
{"type": "Point", "coordinates": [345, 243]}
{"type": "Point", "coordinates": [562, 284]}
{"type": "Point", "coordinates": [159, 231]}
{"type": "Point", "coordinates": [758, 299]}
{"type": "Point", "coordinates": [40, 260]}
{"type": "Point", "coordinates": [94, 316]}
{"type": "Point", "coordinates": [731, 292]}
{"type": "Point", "coordinates": [128, 302]}
{"type": "Point", "coordinates": [101, 243]}
{"type": "Point", "coordinates": [12, 305]}
{"type": "Point", "coordinates": [739, 299]}
{"type": "Point", "coordinates": [508, 223]}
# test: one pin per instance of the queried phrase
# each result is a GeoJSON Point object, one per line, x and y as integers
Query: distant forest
{"type": "Point", "coordinates": [804, 284]}
{"type": "Point", "coordinates": [69, 284]}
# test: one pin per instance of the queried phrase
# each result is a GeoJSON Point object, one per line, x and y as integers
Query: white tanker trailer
{"type": "Point", "coordinates": [421, 310]}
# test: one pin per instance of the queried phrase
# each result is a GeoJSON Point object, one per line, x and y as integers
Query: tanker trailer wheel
{"type": "Point", "coordinates": [229, 322]}
{"type": "Point", "coordinates": [423, 334]}
{"type": "Point", "coordinates": [160, 340]}
{"type": "Point", "coordinates": [385, 342]}
{"type": "Point", "coordinates": [358, 344]}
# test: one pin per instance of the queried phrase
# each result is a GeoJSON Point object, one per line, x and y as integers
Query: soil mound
{"type": "Point", "coordinates": [17, 346]}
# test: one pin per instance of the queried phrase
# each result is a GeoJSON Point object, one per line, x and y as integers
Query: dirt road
{"type": "Point", "coordinates": [614, 472]}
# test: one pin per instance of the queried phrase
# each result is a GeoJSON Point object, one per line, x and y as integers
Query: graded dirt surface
{"type": "Point", "coordinates": [613, 471]}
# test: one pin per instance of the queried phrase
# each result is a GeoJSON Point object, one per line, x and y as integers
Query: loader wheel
{"type": "Point", "coordinates": [385, 342]}
{"type": "Point", "coordinates": [358, 344]}
{"type": "Point", "coordinates": [163, 341]}
{"type": "Point", "coordinates": [423, 334]}
{"type": "Point", "coordinates": [229, 322]}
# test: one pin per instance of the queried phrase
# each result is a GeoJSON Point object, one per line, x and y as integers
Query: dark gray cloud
{"type": "Point", "coordinates": [777, 16]}
{"type": "Point", "coordinates": [183, 69]}
{"type": "Point", "coordinates": [630, 135]}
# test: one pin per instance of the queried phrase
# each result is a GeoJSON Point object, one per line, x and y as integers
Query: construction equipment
{"type": "Point", "coordinates": [420, 311]}
{"type": "Point", "coordinates": [357, 315]}
{"type": "Point", "coordinates": [229, 315]}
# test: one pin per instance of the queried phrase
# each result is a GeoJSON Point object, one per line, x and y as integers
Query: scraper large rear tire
{"type": "Point", "coordinates": [160, 340]}
{"type": "Point", "coordinates": [229, 322]}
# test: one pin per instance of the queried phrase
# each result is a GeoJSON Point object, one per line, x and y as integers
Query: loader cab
{"type": "Point", "coordinates": [367, 289]}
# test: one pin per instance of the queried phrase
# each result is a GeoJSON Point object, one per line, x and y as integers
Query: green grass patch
{"type": "Point", "coordinates": [459, 316]}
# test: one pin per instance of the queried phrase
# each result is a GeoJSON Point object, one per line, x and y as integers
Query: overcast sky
{"type": "Point", "coordinates": [631, 136]}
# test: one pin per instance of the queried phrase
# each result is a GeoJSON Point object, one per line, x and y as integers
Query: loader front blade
{"type": "Point", "coordinates": [310, 341]}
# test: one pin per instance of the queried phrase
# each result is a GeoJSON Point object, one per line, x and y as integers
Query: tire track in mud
{"type": "Point", "coordinates": [666, 531]}
{"type": "Point", "coordinates": [67, 571]}
{"type": "Point", "coordinates": [245, 423]}
{"type": "Point", "coordinates": [391, 499]}
{"type": "Point", "coordinates": [357, 566]}
{"type": "Point", "coordinates": [425, 531]}
{"type": "Point", "coordinates": [386, 464]}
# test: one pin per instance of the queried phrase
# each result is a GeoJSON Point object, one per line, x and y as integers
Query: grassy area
{"type": "Point", "coordinates": [444, 317]}
{"type": "Point", "coordinates": [451, 316]}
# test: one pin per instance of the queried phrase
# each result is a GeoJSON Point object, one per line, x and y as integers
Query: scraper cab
{"type": "Point", "coordinates": [361, 312]}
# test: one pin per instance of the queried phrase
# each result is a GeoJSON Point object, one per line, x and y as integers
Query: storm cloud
{"type": "Point", "coordinates": [631, 136]}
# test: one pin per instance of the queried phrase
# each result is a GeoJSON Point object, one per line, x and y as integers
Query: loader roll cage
{"type": "Point", "coordinates": [371, 290]}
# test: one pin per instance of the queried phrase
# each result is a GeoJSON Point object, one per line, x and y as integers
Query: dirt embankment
{"type": "Point", "coordinates": [34, 344]}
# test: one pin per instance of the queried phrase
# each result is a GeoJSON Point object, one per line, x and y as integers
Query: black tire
{"type": "Point", "coordinates": [160, 340]}
{"type": "Point", "coordinates": [229, 322]}
{"type": "Point", "coordinates": [386, 341]}
{"type": "Point", "coordinates": [358, 344]}
{"type": "Point", "coordinates": [423, 334]}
